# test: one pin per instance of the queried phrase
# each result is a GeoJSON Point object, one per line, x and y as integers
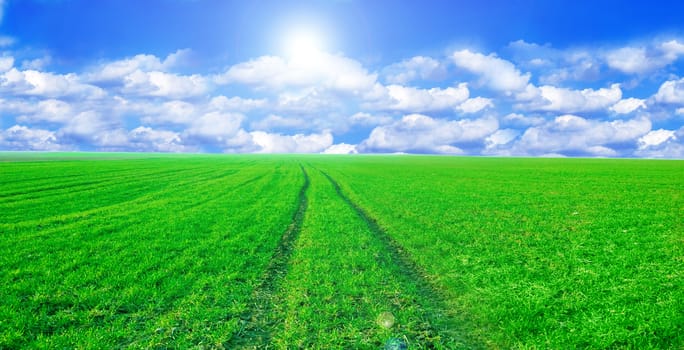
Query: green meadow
{"type": "Point", "coordinates": [309, 251]}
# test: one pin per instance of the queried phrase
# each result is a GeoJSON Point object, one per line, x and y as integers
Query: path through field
{"type": "Point", "coordinates": [336, 278]}
{"type": "Point", "coordinates": [290, 251]}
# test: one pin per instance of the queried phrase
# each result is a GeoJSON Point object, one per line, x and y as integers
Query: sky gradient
{"type": "Point", "coordinates": [521, 78]}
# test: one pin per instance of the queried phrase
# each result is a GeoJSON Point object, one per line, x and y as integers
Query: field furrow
{"type": "Point", "coordinates": [257, 319]}
{"type": "Point", "coordinates": [71, 205]}
{"type": "Point", "coordinates": [176, 270]}
{"type": "Point", "coordinates": [551, 253]}
{"type": "Point", "coordinates": [344, 287]}
{"type": "Point", "coordinates": [365, 252]}
{"type": "Point", "coordinates": [442, 323]}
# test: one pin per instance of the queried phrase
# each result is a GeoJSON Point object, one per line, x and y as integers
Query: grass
{"type": "Point", "coordinates": [166, 251]}
{"type": "Point", "coordinates": [557, 253]}
{"type": "Point", "coordinates": [150, 261]}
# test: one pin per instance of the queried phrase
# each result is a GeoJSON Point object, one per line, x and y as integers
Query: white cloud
{"type": "Point", "coordinates": [22, 138]}
{"type": "Point", "coordinates": [120, 69]}
{"type": "Point", "coordinates": [495, 73]}
{"type": "Point", "coordinates": [662, 144]}
{"type": "Point", "coordinates": [501, 137]}
{"type": "Point", "coordinates": [327, 71]}
{"type": "Point", "coordinates": [555, 66]}
{"type": "Point", "coordinates": [418, 67]}
{"type": "Point", "coordinates": [640, 60]}
{"type": "Point", "coordinates": [306, 101]}
{"type": "Point", "coordinates": [632, 60]}
{"type": "Point", "coordinates": [341, 148]}
{"type": "Point", "coordinates": [628, 105]}
{"type": "Point", "coordinates": [215, 128]}
{"type": "Point", "coordinates": [299, 143]}
{"type": "Point", "coordinates": [410, 99]}
{"type": "Point", "coordinates": [555, 99]}
{"type": "Point", "coordinates": [160, 84]}
{"type": "Point", "coordinates": [680, 111]}
{"type": "Point", "coordinates": [519, 120]}
{"type": "Point", "coordinates": [51, 110]}
{"type": "Point", "coordinates": [656, 137]}
{"type": "Point", "coordinates": [236, 103]}
{"type": "Point", "coordinates": [87, 126]}
{"type": "Point", "coordinates": [420, 133]}
{"type": "Point", "coordinates": [36, 63]}
{"type": "Point", "coordinates": [573, 135]}
{"type": "Point", "coordinates": [170, 112]}
{"type": "Point", "coordinates": [367, 119]}
{"type": "Point", "coordinates": [6, 63]}
{"type": "Point", "coordinates": [35, 83]}
{"type": "Point", "coordinates": [476, 104]}
{"type": "Point", "coordinates": [499, 143]}
{"type": "Point", "coordinates": [151, 140]}
{"type": "Point", "coordinates": [671, 91]}
{"type": "Point", "coordinates": [274, 122]}
{"type": "Point", "coordinates": [176, 59]}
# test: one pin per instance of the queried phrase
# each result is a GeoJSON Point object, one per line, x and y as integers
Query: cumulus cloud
{"type": "Point", "coordinates": [47, 85]}
{"type": "Point", "coordinates": [522, 121]}
{"type": "Point", "coordinates": [236, 103]}
{"type": "Point", "coordinates": [299, 143]}
{"type": "Point", "coordinates": [328, 71]}
{"type": "Point", "coordinates": [671, 91]}
{"type": "Point", "coordinates": [148, 76]}
{"type": "Point", "coordinates": [275, 122]}
{"type": "Point", "coordinates": [160, 84]}
{"type": "Point", "coordinates": [656, 137]}
{"type": "Point", "coordinates": [144, 103]}
{"type": "Point", "coordinates": [475, 104]}
{"type": "Point", "coordinates": [120, 69]}
{"type": "Point", "coordinates": [628, 105]}
{"type": "Point", "coordinates": [304, 101]}
{"type": "Point", "coordinates": [563, 100]}
{"type": "Point", "coordinates": [554, 66]}
{"type": "Point", "coordinates": [495, 73]}
{"type": "Point", "coordinates": [170, 112]}
{"type": "Point", "coordinates": [499, 142]}
{"type": "Point", "coordinates": [640, 60]}
{"type": "Point", "coordinates": [89, 127]}
{"type": "Point", "coordinates": [574, 135]}
{"type": "Point", "coordinates": [367, 119]}
{"type": "Point", "coordinates": [662, 143]}
{"type": "Point", "coordinates": [22, 138]}
{"type": "Point", "coordinates": [215, 128]}
{"type": "Point", "coordinates": [36, 63]}
{"type": "Point", "coordinates": [50, 110]}
{"type": "Point", "coordinates": [421, 133]}
{"type": "Point", "coordinates": [6, 63]}
{"type": "Point", "coordinates": [410, 99]}
{"type": "Point", "coordinates": [341, 148]}
{"type": "Point", "coordinates": [151, 140]}
{"type": "Point", "coordinates": [416, 68]}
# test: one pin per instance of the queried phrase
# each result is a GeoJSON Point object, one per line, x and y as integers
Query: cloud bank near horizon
{"type": "Point", "coordinates": [525, 99]}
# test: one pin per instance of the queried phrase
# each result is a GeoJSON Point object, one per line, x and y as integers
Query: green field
{"type": "Point", "coordinates": [294, 251]}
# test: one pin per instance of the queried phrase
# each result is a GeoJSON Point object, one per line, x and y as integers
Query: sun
{"type": "Point", "coordinates": [304, 45]}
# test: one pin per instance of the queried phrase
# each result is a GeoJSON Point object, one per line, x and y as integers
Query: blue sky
{"type": "Point", "coordinates": [521, 78]}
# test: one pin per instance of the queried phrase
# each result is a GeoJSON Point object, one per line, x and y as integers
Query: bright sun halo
{"type": "Point", "coordinates": [303, 46]}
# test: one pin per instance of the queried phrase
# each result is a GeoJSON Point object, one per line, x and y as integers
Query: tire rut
{"type": "Point", "coordinates": [257, 319]}
{"type": "Point", "coordinates": [441, 324]}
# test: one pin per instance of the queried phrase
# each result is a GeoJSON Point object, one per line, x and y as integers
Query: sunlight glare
{"type": "Point", "coordinates": [304, 46]}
